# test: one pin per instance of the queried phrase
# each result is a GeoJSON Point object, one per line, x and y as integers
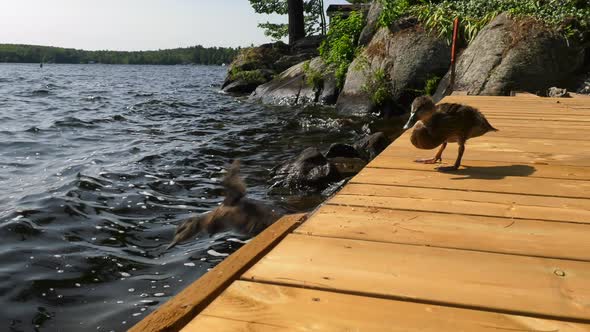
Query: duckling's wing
{"type": "Point", "coordinates": [458, 121]}
{"type": "Point", "coordinates": [448, 122]}
{"type": "Point", "coordinates": [235, 188]}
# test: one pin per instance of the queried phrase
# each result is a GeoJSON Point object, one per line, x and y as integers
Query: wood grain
{"type": "Point", "coordinates": [501, 235]}
{"type": "Point", "coordinates": [181, 309]}
{"type": "Point", "coordinates": [512, 284]}
{"type": "Point", "coordinates": [501, 244]}
{"type": "Point", "coordinates": [478, 149]}
{"type": "Point", "coordinates": [464, 195]}
{"type": "Point", "coordinates": [492, 170]}
{"type": "Point", "coordinates": [509, 211]}
{"type": "Point", "coordinates": [475, 181]}
{"type": "Point", "coordinates": [247, 306]}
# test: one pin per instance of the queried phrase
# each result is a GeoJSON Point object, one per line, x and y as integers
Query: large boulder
{"type": "Point", "coordinates": [341, 150]}
{"type": "Point", "coordinates": [304, 83]}
{"type": "Point", "coordinates": [367, 148]}
{"type": "Point", "coordinates": [514, 55]}
{"type": "Point", "coordinates": [555, 92]}
{"type": "Point", "coordinates": [372, 24]}
{"type": "Point", "coordinates": [308, 45]}
{"type": "Point", "coordinates": [253, 66]}
{"type": "Point", "coordinates": [584, 87]}
{"type": "Point", "coordinates": [406, 55]}
{"type": "Point", "coordinates": [372, 145]}
{"type": "Point", "coordinates": [257, 65]}
{"type": "Point", "coordinates": [247, 81]}
{"type": "Point", "coordinates": [310, 170]}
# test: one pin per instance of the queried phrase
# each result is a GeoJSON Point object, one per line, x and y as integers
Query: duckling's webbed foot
{"type": "Point", "coordinates": [457, 162]}
{"type": "Point", "coordinates": [429, 160]}
{"type": "Point", "coordinates": [436, 159]}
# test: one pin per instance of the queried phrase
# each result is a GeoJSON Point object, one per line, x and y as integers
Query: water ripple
{"type": "Point", "coordinates": [98, 164]}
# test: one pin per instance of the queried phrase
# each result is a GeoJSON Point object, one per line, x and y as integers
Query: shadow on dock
{"type": "Point", "coordinates": [493, 172]}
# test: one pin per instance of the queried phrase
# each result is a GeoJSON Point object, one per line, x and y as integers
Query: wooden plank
{"type": "Point", "coordinates": [474, 152]}
{"type": "Point", "coordinates": [468, 196]}
{"type": "Point", "coordinates": [553, 109]}
{"type": "Point", "coordinates": [489, 169]}
{"type": "Point", "coordinates": [540, 118]}
{"type": "Point", "coordinates": [450, 205]}
{"type": "Point", "coordinates": [522, 94]}
{"type": "Point", "coordinates": [522, 237]}
{"type": "Point", "coordinates": [512, 284]}
{"type": "Point", "coordinates": [532, 144]}
{"type": "Point", "coordinates": [567, 134]}
{"type": "Point", "coordinates": [525, 106]}
{"type": "Point", "coordinates": [181, 309]}
{"type": "Point", "coordinates": [556, 158]}
{"type": "Point", "coordinates": [210, 323]}
{"type": "Point", "coordinates": [533, 101]}
{"type": "Point", "coordinates": [247, 306]}
{"type": "Point", "coordinates": [527, 111]}
{"type": "Point", "coordinates": [537, 127]}
{"type": "Point", "coordinates": [495, 142]}
{"type": "Point", "coordinates": [475, 182]}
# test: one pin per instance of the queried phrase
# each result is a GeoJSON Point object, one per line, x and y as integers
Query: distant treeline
{"type": "Point", "coordinates": [190, 55]}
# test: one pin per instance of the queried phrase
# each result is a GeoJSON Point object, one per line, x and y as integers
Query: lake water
{"type": "Point", "coordinates": [98, 164]}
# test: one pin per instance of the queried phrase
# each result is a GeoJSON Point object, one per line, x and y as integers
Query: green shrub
{"type": "Point", "coordinates": [378, 87]}
{"type": "Point", "coordinates": [340, 46]}
{"type": "Point", "coordinates": [569, 17]}
{"type": "Point", "coordinates": [431, 84]}
{"type": "Point", "coordinates": [254, 76]}
{"type": "Point", "coordinates": [392, 11]}
{"type": "Point", "coordinates": [313, 77]}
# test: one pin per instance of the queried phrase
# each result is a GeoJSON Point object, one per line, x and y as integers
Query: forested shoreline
{"type": "Point", "coordinates": [190, 55]}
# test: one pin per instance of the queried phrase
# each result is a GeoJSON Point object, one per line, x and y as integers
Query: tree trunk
{"type": "Point", "coordinates": [323, 17]}
{"type": "Point", "coordinates": [296, 23]}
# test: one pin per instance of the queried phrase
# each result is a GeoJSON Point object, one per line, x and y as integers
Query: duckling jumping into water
{"type": "Point", "coordinates": [439, 125]}
{"type": "Point", "coordinates": [238, 212]}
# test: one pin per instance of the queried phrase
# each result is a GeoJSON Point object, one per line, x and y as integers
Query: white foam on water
{"type": "Point", "coordinates": [216, 254]}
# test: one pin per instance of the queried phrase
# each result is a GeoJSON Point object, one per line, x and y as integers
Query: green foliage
{"type": "Point", "coordinates": [569, 17]}
{"type": "Point", "coordinates": [313, 77]}
{"type": "Point", "coordinates": [313, 15]}
{"type": "Point", "coordinates": [270, 6]}
{"type": "Point", "coordinates": [378, 87]}
{"type": "Point", "coordinates": [431, 84]}
{"type": "Point", "coordinates": [392, 11]}
{"type": "Point", "coordinates": [195, 55]}
{"type": "Point", "coordinates": [254, 76]}
{"type": "Point", "coordinates": [340, 46]}
{"type": "Point", "coordinates": [276, 31]}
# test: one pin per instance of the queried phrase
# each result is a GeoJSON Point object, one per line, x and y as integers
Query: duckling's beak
{"type": "Point", "coordinates": [411, 121]}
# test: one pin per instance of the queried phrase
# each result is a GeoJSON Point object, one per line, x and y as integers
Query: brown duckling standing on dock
{"type": "Point", "coordinates": [237, 212]}
{"type": "Point", "coordinates": [437, 125]}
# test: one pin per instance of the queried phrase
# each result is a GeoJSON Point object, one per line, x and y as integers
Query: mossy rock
{"type": "Point", "coordinates": [515, 55]}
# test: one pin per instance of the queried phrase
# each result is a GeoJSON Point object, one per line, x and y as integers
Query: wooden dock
{"type": "Point", "coordinates": [503, 244]}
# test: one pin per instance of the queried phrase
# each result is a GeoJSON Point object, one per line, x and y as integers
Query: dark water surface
{"type": "Point", "coordinates": [99, 163]}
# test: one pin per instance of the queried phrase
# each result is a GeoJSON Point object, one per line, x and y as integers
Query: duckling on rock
{"type": "Point", "coordinates": [443, 123]}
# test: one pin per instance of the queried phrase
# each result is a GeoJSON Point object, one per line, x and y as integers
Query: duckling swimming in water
{"type": "Point", "coordinates": [438, 125]}
{"type": "Point", "coordinates": [245, 215]}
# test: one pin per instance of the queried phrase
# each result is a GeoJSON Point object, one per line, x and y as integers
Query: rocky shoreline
{"type": "Point", "coordinates": [400, 62]}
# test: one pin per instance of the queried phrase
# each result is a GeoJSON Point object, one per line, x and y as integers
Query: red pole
{"type": "Point", "coordinates": [454, 52]}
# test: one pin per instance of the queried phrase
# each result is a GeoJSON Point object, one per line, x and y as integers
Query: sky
{"type": "Point", "coordinates": [133, 24]}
